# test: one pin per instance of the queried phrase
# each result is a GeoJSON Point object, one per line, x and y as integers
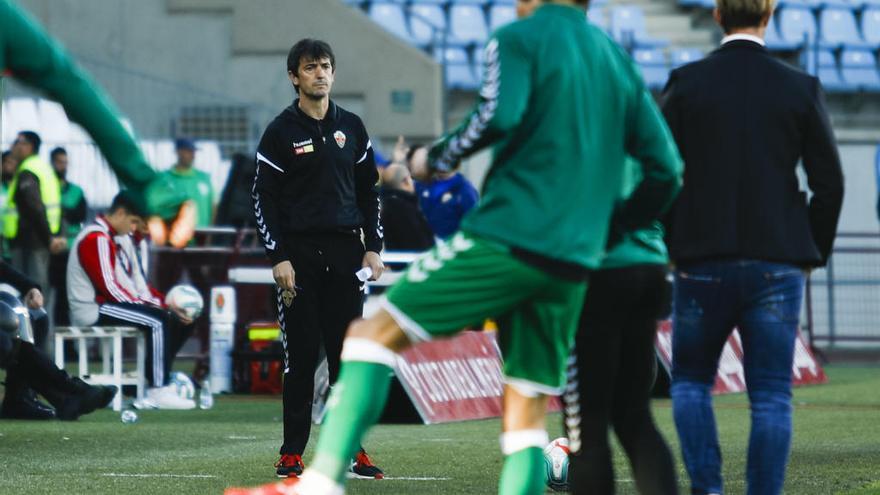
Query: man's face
{"type": "Point", "coordinates": [139, 225]}
{"type": "Point", "coordinates": [9, 165]}
{"type": "Point", "coordinates": [21, 148]}
{"type": "Point", "coordinates": [123, 221]}
{"type": "Point", "coordinates": [524, 8]}
{"type": "Point", "coordinates": [418, 165]}
{"type": "Point", "coordinates": [59, 163]}
{"type": "Point", "coordinates": [314, 78]}
{"type": "Point", "coordinates": [185, 157]}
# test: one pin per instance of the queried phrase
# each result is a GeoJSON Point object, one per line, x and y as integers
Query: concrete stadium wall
{"type": "Point", "coordinates": [156, 55]}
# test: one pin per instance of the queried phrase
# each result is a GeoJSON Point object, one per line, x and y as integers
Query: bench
{"type": "Point", "coordinates": [111, 353]}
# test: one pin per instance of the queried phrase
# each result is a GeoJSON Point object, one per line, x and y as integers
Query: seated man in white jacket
{"type": "Point", "coordinates": [107, 286]}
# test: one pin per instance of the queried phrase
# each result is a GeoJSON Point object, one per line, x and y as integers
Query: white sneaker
{"type": "Point", "coordinates": [167, 398]}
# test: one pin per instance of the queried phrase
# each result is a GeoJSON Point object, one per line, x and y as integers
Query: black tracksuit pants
{"type": "Point", "coordinates": [329, 297]}
{"type": "Point", "coordinates": [31, 368]}
{"type": "Point", "coordinates": [611, 377]}
{"type": "Point", "coordinates": [165, 334]}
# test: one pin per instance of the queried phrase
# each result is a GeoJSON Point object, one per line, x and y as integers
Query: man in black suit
{"type": "Point", "coordinates": [743, 235]}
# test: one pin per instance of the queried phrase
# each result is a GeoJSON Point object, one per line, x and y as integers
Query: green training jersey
{"type": "Point", "coordinates": [643, 246]}
{"type": "Point", "coordinates": [196, 186]}
{"type": "Point", "coordinates": [562, 105]}
{"type": "Point", "coordinates": [32, 57]}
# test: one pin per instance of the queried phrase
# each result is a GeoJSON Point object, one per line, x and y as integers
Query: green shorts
{"type": "Point", "coordinates": [467, 279]}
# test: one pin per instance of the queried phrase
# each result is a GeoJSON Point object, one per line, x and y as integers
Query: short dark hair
{"type": "Point", "coordinates": [33, 138]}
{"type": "Point", "coordinates": [738, 14]}
{"type": "Point", "coordinates": [310, 49]}
{"type": "Point", "coordinates": [124, 200]}
{"type": "Point", "coordinates": [57, 151]}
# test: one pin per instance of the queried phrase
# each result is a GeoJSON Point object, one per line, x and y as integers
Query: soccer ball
{"type": "Point", "coordinates": [556, 464]}
{"type": "Point", "coordinates": [187, 298]}
{"type": "Point", "coordinates": [183, 385]}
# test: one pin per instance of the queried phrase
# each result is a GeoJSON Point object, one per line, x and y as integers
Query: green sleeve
{"type": "Point", "coordinates": [650, 142]}
{"type": "Point", "coordinates": [35, 59]}
{"type": "Point", "coordinates": [503, 97]}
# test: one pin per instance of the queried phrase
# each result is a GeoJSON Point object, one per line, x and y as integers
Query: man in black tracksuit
{"type": "Point", "coordinates": [315, 198]}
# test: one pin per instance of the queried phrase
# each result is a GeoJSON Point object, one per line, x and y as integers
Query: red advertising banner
{"type": "Point", "coordinates": [731, 375]}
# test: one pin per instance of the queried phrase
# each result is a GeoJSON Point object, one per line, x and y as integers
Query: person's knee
{"type": "Point", "coordinates": [524, 409]}
{"type": "Point", "coordinates": [381, 329]}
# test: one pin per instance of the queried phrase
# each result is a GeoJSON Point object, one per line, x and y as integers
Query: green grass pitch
{"type": "Point", "coordinates": [836, 448]}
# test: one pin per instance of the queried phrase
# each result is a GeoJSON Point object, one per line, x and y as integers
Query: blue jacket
{"type": "Point", "coordinates": [445, 201]}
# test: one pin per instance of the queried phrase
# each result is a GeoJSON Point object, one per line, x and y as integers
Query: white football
{"type": "Point", "coordinates": [187, 298]}
{"type": "Point", "coordinates": [556, 464]}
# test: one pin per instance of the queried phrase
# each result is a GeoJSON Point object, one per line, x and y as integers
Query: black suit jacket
{"type": "Point", "coordinates": [743, 120]}
{"type": "Point", "coordinates": [405, 226]}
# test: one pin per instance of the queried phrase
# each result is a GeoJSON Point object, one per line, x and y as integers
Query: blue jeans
{"type": "Point", "coordinates": [763, 300]}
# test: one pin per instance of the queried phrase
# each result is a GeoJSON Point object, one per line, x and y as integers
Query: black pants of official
{"type": "Point", "coordinates": [28, 367]}
{"type": "Point", "coordinates": [328, 299]}
{"type": "Point", "coordinates": [165, 334]}
{"type": "Point", "coordinates": [611, 379]}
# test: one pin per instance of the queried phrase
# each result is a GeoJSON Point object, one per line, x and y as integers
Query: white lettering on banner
{"type": "Point", "coordinates": [453, 380]}
{"type": "Point", "coordinates": [802, 359]}
{"type": "Point", "coordinates": [730, 369]}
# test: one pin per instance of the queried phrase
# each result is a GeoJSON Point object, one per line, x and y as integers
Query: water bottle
{"type": "Point", "coordinates": [129, 417]}
{"type": "Point", "coordinates": [206, 399]}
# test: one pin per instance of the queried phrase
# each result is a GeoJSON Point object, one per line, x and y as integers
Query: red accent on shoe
{"type": "Point", "coordinates": [362, 459]}
{"type": "Point", "coordinates": [291, 461]}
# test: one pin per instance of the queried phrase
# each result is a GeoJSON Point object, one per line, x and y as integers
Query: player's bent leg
{"type": "Point", "coordinates": [356, 402]}
{"type": "Point", "coordinates": [523, 441]}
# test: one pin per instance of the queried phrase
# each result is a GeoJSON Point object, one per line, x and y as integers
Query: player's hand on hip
{"type": "Point", "coordinates": [34, 299]}
{"type": "Point", "coordinates": [284, 275]}
{"type": "Point", "coordinates": [374, 261]}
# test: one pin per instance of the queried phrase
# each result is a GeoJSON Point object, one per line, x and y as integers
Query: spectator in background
{"type": "Point", "coordinates": [73, 214]}
{"type": "Point", "coordinates": [406, 228]}
{"type": "Point", "coordinates": [8, 170]}
{"type": "Point", "coordinates": [445, 197]}
{"type": "Point", "coordinates": [32, 220]}
{"type": "Point", "coordinates": [195, 184]}
{"type": "Point", "coordinates": [743, 235]}
{"type": "Point", "coordinates": [236, 208]}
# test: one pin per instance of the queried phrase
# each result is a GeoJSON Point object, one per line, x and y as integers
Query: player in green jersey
{"type": "Point", "coordinates": [28, 54]}
{"type": "Point", "coordinates": [562, 106]}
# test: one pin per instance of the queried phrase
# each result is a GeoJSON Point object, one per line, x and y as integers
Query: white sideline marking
{"type": "Point", "coordinates": [440, 440]}
{"type": "Point", "coordinates": [414, 478]}
{"type": "Point", "coordinates": [236, 437]}
{"type": "Point", "coordinates": [157, 475]}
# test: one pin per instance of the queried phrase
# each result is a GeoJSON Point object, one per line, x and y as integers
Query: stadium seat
{"type": "Point", "coordinates": [500, 15]}
{"type": "Point", "coordinates": [459, 71]}
{"type": "Point", "coordinates": [859, 68]}
{"type": "Point", "coordinates": [774, 40]}
{"type": "Point", "coordinates": [391, 17]}
{"type": "Point", "coordinates": [871, 26]}
{"type": "Point", "coordinates": [837, 28]}
{"type": "Point", "coordinates": [23, 115]}
{"type": "Point", "coordinates": [822, 64]}
{"type": "Point", "coordinates": [427, 23]}
{"type": "Point", "coordinates": [655, 71]}
{"type": "Point", "coordinates": [790, 3]}
{"type": "Point", "coordinates": [596, 15]}
{"type": "Point", "coordinates": [682, 56]}
{"type": "Point", "coordinates": [797, 25]}
{"type": "Point", "coordinates": [467, 24]}
{"type": "Point", "coordinates": [628, 28]}
{"type": "Point", "coordinates": [54, 122]}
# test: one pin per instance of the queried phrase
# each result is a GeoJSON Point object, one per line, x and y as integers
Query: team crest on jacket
{"type": "Point", "coordinates": [339, 136]}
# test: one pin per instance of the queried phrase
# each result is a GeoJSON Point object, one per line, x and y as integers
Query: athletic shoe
{"type": "Point", "coordinates": [167, 398]}
{"type": "Point", "coordinates": [289, 466]}
{"type": "Point", "coordinates": [86, 400]}
{"type": "Point", "coordinates": [276, 488]}
{"type": "Point", "coordinates": [362, 468]}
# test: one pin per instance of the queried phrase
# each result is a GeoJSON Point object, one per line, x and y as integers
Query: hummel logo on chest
{"type": "Point", "coordinates": [302, 143]}
{"type": "Point", "coordinates": [303, 147]}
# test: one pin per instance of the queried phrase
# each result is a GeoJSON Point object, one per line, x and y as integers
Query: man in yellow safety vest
{"type": "Point", "coordinates": [32, 220]}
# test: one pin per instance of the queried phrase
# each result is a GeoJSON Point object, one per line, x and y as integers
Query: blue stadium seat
{"type": "Point", "coordinates": [838, 29]}
{"type": "Point", "coordinates": [596, 15]}
{"type": "Point", "coordinates": [655, 71]}
{"type": "Point", "coordinates": [822, 63]}
{"type": "Point", "coordinates": [871, 26]}
{"type": "Point", "coordinates": [467, 24]}
{"type": "Point", "coordinates": [859, 68]}
{"type": "Point", "coordinates": [427, 23]}
{"type": "Point", "coordinates": [500, 15]}
{"type": "Point", "coordinates": [774, 40]}
{"type": "Point", "coordinates": [628, 28]}
{"type": "Point", "coordinates": [791, 3]}
{"type": "Point", "coordinates": [459, 71]}
{"type": "Point", "coordinates": [797, 25]}
{"type": "Point", "coordinates": [682, 56]}
{"type": "Point", "coordinates": [391, 17]}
